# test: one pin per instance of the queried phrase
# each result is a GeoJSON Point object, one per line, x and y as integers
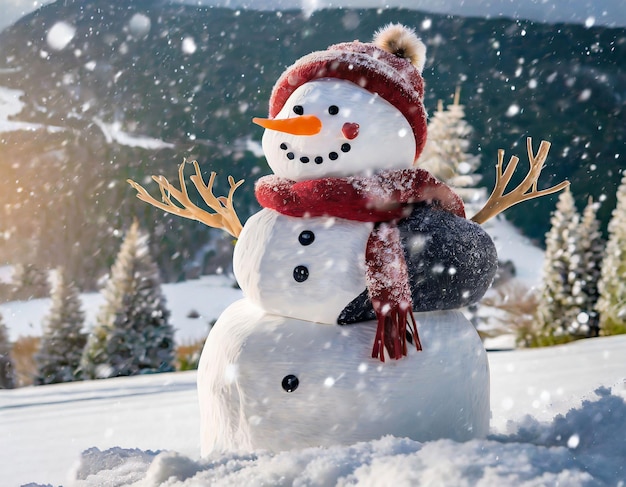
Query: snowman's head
{"type": "Point", "coordinates": [334, 128]}
{"type": "Point", "coordinates": [353, 109]}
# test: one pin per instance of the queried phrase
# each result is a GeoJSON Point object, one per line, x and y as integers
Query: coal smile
{"type": "Point", "coordinates": [345, 147]}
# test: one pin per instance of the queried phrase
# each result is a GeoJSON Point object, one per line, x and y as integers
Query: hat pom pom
{"type": "Point", "coordinates": [403, 42]}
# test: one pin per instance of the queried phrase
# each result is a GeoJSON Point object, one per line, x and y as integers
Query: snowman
{"type": "Point", "coordinates": [353, 271]}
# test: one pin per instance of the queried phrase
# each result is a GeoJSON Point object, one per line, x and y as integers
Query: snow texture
{"type": "Point", "coordinates": [585, 447]}
{"type": "Point", "coordinates": [10, 105]}
{"type": "Point", "coordinates": [512, 245]}
{"type": "Point", "coordinates": [113, 132]}
{"type": "Point", "coordinates": [44, 429]}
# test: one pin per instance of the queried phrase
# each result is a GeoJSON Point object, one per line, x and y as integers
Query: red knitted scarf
{"type": "Point", "coordinates": [383, 198]}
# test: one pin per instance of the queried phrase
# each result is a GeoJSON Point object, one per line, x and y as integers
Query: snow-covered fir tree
{"type": "Point", "coordinates": [29, 282]}
{"type": "Point", "coordinates": [132, 334]}
{"type": "Point", "coordinates": [585, 272]}
{"type": "Point", "coordinates": [446, 153]}
{"type": "Point", "coordinates": [612, 285]}
{"type": "Point", "coordinates": [557, 309]}
{"type": "Point", "coordinates": [63, 340]}
{"type": "Point", "coordinates": [7, 369]}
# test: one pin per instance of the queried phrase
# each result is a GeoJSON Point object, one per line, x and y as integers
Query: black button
{"type": "Point", "coordinates": [290, 383]}
{"type": "Point", "coordinates": [301, 273]}
{"type": "Point", "coordinates": [333, 155]}
{"type": "Point", "coordinates": [345, 147]}
{"type": "Point", "coordinates": [306, 237]}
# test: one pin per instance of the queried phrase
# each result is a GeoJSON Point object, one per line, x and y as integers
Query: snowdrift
{"type": "Point", "coordinates": [584, 447]}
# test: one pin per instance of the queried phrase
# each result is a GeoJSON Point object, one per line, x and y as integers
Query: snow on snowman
{"type": "Point", "coordinates": [354, 270]}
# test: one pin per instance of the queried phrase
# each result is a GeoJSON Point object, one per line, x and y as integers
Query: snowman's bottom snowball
{"type": "Point", "coordinates": [342, 394]}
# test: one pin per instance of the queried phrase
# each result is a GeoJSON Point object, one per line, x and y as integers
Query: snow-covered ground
{"type": "Point", "coordinates": [207, 296]}
{"type": "Point", "coordinates": [121, 424]}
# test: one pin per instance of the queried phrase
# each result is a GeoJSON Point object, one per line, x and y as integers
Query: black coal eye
{"type": "Point", "coordinates": [300, 273]}
{"type": "Point", "coordinates": [306, 237]}
{"type": "Point", "coordinates": [333, 109]}
{"type": "Point", "coordinates": [298, 110]}
{"type": "Point", "coordinates": [290, 383]}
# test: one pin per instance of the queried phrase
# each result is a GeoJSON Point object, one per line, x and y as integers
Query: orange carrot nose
{"type": "Point", "coordinates": [302, 125]}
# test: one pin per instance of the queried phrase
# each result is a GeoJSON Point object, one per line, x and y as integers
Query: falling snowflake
{"type": "Point", "coordinates": [60, 35]}
{"type": "Point", "coordinates": [189, 45]}
{"type": "Point", "coordinates": [139, 25]}
{"type": "Point", "coordinates": [513, 110]}
{"type": "Point", "coordinates": [573, 441]}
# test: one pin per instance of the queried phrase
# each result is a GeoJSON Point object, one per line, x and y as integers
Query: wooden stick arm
{"type": "Point", "coordinates": [526, 190]}
{"type": "Point", "coordinates": [225, 216]}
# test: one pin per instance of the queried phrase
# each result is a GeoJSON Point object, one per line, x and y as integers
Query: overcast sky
{"type": "Point", "coordinates": [589, 12]}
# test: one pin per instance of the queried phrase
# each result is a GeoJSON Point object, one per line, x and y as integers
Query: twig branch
{"type": "Point", "coordinates": [526, 190]}
{"type": "Point", "coordinates": [225, 216]}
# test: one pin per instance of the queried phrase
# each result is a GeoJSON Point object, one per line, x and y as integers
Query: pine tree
{"type": "Point", "coordinates": [132, 334]}
{"type": "Point", "coordinates": [585, 272]}
{"type": "Point", "coordinates": [445, 152]}
{"type": "Point", "coordinates": [7, 368]}
{"type": "Point", "coordinates": [29, 282]}
{"type": "Point", "coordinates": [612, 286]}
{"type": "Point", "coordinates": [63, 340]}
{"type": "Point", "coordinates": [557, 309]}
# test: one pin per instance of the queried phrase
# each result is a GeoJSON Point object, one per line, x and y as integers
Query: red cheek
{"type": "Point", "coordinates": [350, 130]}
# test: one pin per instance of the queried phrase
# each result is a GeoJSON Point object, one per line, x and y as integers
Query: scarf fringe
{"type": "Point", "coordinates": [391, 333]}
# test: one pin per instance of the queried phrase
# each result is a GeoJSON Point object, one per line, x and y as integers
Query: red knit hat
{"type": "Point", "coordinates": [391, 66]}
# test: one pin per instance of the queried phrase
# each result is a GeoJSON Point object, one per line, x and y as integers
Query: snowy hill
{"type": "Point", "coordinates": [513, 246]}
{"type": "Point", "coordinates": [45, 429]}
